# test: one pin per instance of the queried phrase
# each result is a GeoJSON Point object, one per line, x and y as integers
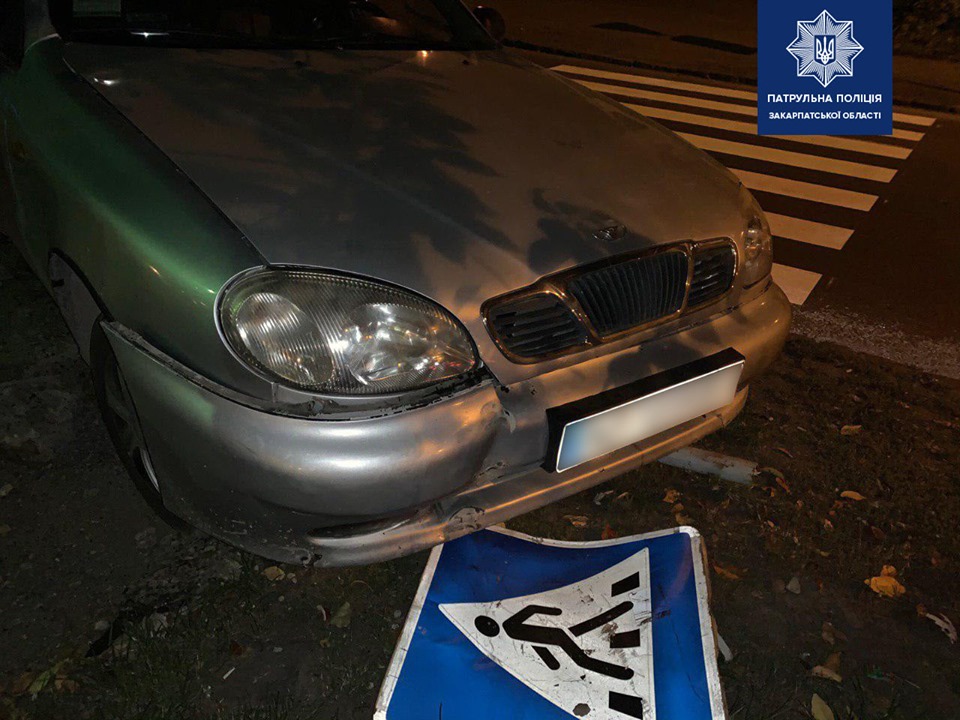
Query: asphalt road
{"type": "Point", "coordinates": [866, 245]}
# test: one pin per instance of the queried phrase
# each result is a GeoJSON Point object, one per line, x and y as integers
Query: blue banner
{"type": "Point", "coordinates": [825, 67]}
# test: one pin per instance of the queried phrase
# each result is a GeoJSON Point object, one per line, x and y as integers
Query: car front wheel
{"type": "Point", "coordinates": [120, 418]}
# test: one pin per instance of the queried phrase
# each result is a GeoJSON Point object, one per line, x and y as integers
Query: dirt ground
{"type": "Point", "coordinates": [107, 613]}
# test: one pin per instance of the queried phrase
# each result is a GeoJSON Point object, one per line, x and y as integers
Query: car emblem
{"type": "Point", "coordinates": [611, 234]}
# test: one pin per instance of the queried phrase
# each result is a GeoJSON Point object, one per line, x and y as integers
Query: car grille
{"type": "Point", "coordinates": [536, 325]}
{"type": "Point", "coordinates": [540, 322]}
{"type": "Point", "coordinates": [632, 293]}
{"type": "Point", "coordinates": [713, 269]}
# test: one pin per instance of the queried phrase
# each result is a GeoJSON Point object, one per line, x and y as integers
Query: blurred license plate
{"type": "Point", "coordinates": [614, 419]}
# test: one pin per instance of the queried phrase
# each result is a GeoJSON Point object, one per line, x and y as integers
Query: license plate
{"type": "Point", "coordinates": [589, 428]}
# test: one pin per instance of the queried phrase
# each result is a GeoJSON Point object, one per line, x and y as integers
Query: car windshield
{"type": "Point", "coordinates": [397, 24]}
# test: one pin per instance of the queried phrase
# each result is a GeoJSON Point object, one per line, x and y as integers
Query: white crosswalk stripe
{"type": "Point", "coordinates": [811, 181]}
{"type": "Point", "coordinates": [805, 191]}
{"type": "Point", "coordinates": [841, 143]}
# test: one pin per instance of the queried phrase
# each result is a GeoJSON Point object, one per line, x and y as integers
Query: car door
{"type": "Point", "coordinates": [11, 53]}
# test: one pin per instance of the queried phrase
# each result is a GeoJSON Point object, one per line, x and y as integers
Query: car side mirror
{"type": "Point", "coordinates": [492, 20]}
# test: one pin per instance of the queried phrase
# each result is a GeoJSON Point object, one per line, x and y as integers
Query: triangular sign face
{"type": "Point", "coordinates": [586, 647]}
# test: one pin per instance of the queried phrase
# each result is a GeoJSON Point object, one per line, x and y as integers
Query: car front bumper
{"type": "Point", "coordinates": [353, 491]}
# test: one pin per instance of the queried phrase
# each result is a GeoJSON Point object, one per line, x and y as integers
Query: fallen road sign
{"type": "Point", "coordinates": [506, 625]}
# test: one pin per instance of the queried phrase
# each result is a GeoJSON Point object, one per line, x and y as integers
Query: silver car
{"type": "Point", "coordinates": [353, 281]}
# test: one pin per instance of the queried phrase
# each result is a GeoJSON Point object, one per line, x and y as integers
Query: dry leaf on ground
{"type": "Point", "coordinates": [851, 429]}
{"type": "Point", "coordinates": [886, 583]}
{"type": "Point", "coordinates": [820, 710]}
{"type": "Point", "coordinates": [273, 573]}
{"type": "Point", "coordinates": [671, 496]}
{"type": "Point", "coordinates": [852, 495]}
{"type": "Point", "coordinates": [943, 622]}
{"type": "Point", "coordinates": [826, 673]}
{"type": "Point", "coordinates": [341, 618]}
{"type": "Point", "coordinates": [727, 573]}
{"type": "Point", "coordinates": [601, 496]}
{"type": "Point", "coordinates": [578, 521]}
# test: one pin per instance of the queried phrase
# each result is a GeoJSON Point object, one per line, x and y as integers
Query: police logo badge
{"type": "Point", "coordinates": [825, 48]}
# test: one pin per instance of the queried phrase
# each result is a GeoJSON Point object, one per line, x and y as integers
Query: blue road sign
{"type": "Point", "coordinates": [825, 67]}
{"type": "Point", "coordinates": [505, 625]}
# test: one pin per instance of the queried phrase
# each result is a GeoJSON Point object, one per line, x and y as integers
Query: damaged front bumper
{"type": "Point", "coordinates": [360, 490]}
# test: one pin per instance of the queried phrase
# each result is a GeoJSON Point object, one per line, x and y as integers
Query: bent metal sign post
{"type": "Point", "coordinates": [825, 67]}
{"type": "Point", "coordinates": [506, 625]}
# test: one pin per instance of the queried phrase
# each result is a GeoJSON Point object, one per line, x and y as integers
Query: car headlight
{"type": "Point", "coordinates": [756, 239]}
{"type": "Point", "coordinates": [335, 334]}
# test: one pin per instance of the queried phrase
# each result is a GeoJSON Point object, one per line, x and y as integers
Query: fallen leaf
{"type": "Point", "coordinates": [886, 583]}
{"type": "Point", "coordinates": [832, 662]}
{"type": "Point", "coordinates": [273, 573]}
{"type": "Point", "coordinates": [830, 634]}
{"type": "Point", "coordinates": [578, 521]}
{"type": "Point", "coordinates": [771, 471]}
{"type": "Point", "coordinates": [727, 573]}
{"type": "Point", "coordinates": [851, 429]}
{"type": "Point", "coordinates": [6, 490]}
{"type": "Point", "coordinates": [236, 649]}
{"type": "Point", "coordinates": [793, 586]}
{"type": "Point", "coordinates": [682, 519]}
{"type": "Point", "coordinates": [623, 497]}
{"type": "Point", "coordinates": [826, 673]}
{"type": "Point", "coordinates": [64, 684]}
{"type": "Point", "coordinates": [671, 496]}
{"type": "Point", "coordinates": [820, 710]}
{"type": "Point", "coordinates": [943, 622]}
{"type": "Point", "coordinates": [608, 533]}
{"type": "Point", "coordinates": [21, 684]}
{"type": "Point", "coordinates": [877, 533]}
{"type": "Point", "coordinates": [784, 451]}
{"type": "Point", "coordinates": [783, 483]}
{"type": "Point", "coordinates": [827, 525]}
{"type": "Point", "coordinates": [341, 618]}
{"type": "Point", "coordinates": [601, 496]}
{"type": "Point", "coordinates": [852, 495]}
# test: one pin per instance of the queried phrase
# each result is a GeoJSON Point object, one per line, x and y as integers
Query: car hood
{"type": "Point", "coordinates": [461, 176]}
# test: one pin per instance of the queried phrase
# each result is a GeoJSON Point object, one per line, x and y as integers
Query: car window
{"type": "Point", "coordinates": [416, 24]}
{"type": "Point", "coordinates": [11, 31]}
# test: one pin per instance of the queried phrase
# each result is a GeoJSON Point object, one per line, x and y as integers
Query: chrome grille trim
{"type": "Point", "coordinates": [594, 304]}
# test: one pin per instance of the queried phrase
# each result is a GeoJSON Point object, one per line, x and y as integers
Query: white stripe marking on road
{"type": "Point", "coordinates": [669, 98]}
{"type": "Point", "coordinates": [796, 283]}
{"type": "Point", "coordinates": [795, 159]}
{"type": "Point", "coordinates": [911, 135]}
{"type": "Point", "coordinates": [913, 119]}
{"type": "Point", "coordinates": [805, 191]}
{"type": "Point", "coordinates": [904, 117]}
{"type": "Point", "coordinates": [807, 231]}
{"type": "Point", "coordinates": [841, 143]}
{"type": "Point", "coordinates": [657, 82]}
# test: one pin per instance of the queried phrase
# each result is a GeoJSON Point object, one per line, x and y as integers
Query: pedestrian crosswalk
{"type": "Point", "coordinates": [817, 189]}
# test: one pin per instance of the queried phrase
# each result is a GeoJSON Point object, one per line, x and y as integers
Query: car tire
{"type": "Point", "coordinates": [120, 419]}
